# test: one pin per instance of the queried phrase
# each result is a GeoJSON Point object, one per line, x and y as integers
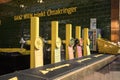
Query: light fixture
{"type": "Point", "coordinates": [22, 6]}
{"type": "Point", "coordinates": [40, 1]}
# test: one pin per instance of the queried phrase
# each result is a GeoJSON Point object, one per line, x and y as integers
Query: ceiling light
{"type": "Point", "coordinates": [40, 1]}
{"type": "Point", "coordinates": [22, 6]}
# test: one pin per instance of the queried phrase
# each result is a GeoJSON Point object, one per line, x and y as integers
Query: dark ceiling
{"type": "Point", "coordinates": [12, 7]}
{"type": "Point", "coordinates": [9, 7]}
{"type": "Point", "coordinates": [16, 3]}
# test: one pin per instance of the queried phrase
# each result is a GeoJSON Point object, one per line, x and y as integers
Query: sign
{"type": "Point", "coordinates": [49, 12]}
{"type": "Point", "coordinates": [79, 51]}
{"type": "Point", "coordinates": [57, 55]}
{"type": "Point", "coordinates": [93, 23]}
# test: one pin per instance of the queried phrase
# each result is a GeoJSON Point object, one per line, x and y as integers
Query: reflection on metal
{"type": "Point", "coordinates": [98, 55]}
{"type": "Point", "coordinates": [79, 61]}
{"type": "Point", "coordinates": [22, 42]}
{"type": "Point", "coordinates": [53, 68]}
{"type": "Point", "coordinates": [14, 78]}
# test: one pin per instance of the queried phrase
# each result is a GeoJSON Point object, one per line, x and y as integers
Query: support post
{"type": "Point", "coordinates": [55, 43]}
{"type": "Point", "coordinates": [78, 36]}
{"type": "Point", "coordinates": [78, 32]}
{"type": "Point", "coordinates": [54, 36]}
{"type": "Point", "coordinates": [86, 43]}
{"type": "Point", "coordinates": [68, 38]}
{"type": "Point", "coordinates": [36, 47]}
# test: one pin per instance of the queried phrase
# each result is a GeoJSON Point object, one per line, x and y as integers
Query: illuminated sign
{"type": "Point", "coordinates": [49, 12]}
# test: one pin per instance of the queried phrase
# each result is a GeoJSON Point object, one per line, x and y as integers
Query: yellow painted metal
{"type": "Point", "coordinates": [54, 36]}
{"type": "Point", "coordinates": [77, 36]}
{"type": "Point", "coordinates": [58, 43]}
{"type": "Point", "coordinates": [78, 32]}
{"type": "Point", "coordinates": [36, 52]}
{"type": "Point", "coordinates": [55, 40]}
{"type": "Point", "coordinates": [12, 50]}
{"type": "Point", "coordinates": [28, 42]}
{"type": "Point", "coordinates": [86, 43]}
{"type": "Point", "coordinates": [68, 38]}
{"type": "Point", "coordinates": [49, 41]}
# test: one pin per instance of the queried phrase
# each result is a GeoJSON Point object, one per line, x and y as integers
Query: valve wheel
{"type": "Point", "coordinates": [38, 43]}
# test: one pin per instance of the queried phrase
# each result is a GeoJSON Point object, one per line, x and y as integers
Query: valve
{"type": "Point", "coordinates": [38, 43]}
